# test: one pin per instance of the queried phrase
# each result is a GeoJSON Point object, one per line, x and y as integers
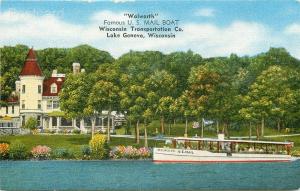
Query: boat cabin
{"type": "Point", "coordinates": [232, 146]}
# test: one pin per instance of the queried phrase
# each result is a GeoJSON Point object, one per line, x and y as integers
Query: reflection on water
{"type": "Point", "coordinates": [145, 175]}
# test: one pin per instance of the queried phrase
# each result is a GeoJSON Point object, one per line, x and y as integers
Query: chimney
{"type": "Point", "coordinates": [76, 68]}
{"type": "Point", "coordinates": [54, 73]}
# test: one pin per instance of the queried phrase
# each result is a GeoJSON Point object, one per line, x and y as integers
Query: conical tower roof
{"type": "Point", "coordinates": [31, 67]}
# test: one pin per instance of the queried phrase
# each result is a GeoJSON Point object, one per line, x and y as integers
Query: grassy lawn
{"type": "Point", "coordinates": [73, 142]}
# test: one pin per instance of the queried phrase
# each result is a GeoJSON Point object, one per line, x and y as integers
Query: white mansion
{"type": "Point", "coordinates": [37, 97]}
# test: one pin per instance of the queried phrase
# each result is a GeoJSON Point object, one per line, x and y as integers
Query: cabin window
{"type": "Point", "coordinates": [39, 89]}
{"type": "Point", "coordinates": [23, 104]}
{"type": "Point", "coordinates": [6, 109]}
{"type": "Point", "coordinates": [23, 89]}
{"type": "Point", "coordinates": [49, 104]}
{"type": "Point", "coordinates": [55, 104]}
{"type": "Point", "coordinates": [53, 88]}
{"type": "Point", "coordinates": [39, 104]}
{"type": "Point", "coordinates": [13, 109]}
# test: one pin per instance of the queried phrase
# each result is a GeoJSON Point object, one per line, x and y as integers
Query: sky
{"type": "Point", "coordinates": [211, 28]}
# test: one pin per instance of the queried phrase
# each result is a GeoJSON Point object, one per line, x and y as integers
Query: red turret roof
{"type": "Point", "coordinates": [31, 67]}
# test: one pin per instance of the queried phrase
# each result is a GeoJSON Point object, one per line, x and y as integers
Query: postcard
{"type": "Point", "coordinates": [150, 95]}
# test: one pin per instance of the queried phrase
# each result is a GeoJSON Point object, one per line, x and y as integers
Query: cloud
{"type": "Point", "coordinates": [46, 30]}
{"type": "Point", "coordinates": [292, 34]}
{"type": "Point", "coordinates": [205, 12]}
{"type": "Point", "coordinates": [207, 39]}
{"type": "Point", "coordinates": [293, 29]}
{"type": "Point", "coordinates": [122, 1]}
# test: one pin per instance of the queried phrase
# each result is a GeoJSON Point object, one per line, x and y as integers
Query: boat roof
{"type": "Point", "coordinates": [232, 140]}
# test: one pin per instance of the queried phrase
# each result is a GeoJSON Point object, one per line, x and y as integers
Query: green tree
{"type": "Point", "coordinates": [105, 94]}
{"type": "Point", "coordinates": [162, 84]}
{"type": "Point", "coordinates": [183, 105]}
{"type": "Point", "coordinates": [12, 60]}
{"type": "Point", "coordinates": [179, 64]}
{"type": "Point", "coordinates": [202, 85]}
{"type": "Point", "coordinates": [74, 95]}
{"type": "Point", "coordinates": [164, 109]}
{"type": "Point", "coordinates": [272, 95]}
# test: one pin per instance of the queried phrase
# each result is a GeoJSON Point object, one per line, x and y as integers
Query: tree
{"type": "Point", "coordinates": [89, 57]}
{"type": "Point", "coordinates": [179, 64]}
{"type": "Point", "coordinates": [74, 95]}
{"type": "Point", "coordinates": [183, 105]}
{"type": "Point", "coordinates": [162, 84]}
{"type": "Point", "coordinates": [164, 108]}
{"type": "Point", "coordinates": [272, 94]}
{"type": "Point", "coordinates": [133, 102]}
{"type": "Point", "coordinates": [12, 60]}
{"type": "Point", "coordinates": [104, 96]}
{"type": "Point", "coordinates": [202, 85]}
{"type": "Point", "coordinates": [105, 93]}
{"type": "Point", "coordinates": [148, 116]}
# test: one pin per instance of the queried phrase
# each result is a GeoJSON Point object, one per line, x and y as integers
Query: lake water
{"type": "Point", "coordinates": [145, 175]}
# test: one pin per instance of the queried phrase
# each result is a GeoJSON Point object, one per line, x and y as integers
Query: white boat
{"type": "Point", "coordinates": [219, 150]}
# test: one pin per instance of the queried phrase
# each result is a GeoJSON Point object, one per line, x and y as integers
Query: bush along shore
{"type": "Point", "coordinates": [97, 149]}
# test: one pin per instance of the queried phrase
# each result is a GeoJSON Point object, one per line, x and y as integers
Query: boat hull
{"type": "Point", "coordinates": [193, 156]}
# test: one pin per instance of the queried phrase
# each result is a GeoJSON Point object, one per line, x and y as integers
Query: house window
{"type": "Point", "coordinates": [39, 104]}
{"type": "Point", "coordinates": [23, 89]}
{"type": "Point", "coordinates": [23, 104]}
{"type": "Point", "coordinates": [38, 120]}
{"type": "Point", "coordinates": [53, 88]}
{"type": "Point", "coordinates": [13, 109]}
{"type": "Point", "coordinates": [23, 120]}
{"type": "Point", "coordinates": [55, 104]}
{"type": "Point", "coordinates": [6, 109]}
{"type": "Point", "coordinates": [49, 104]}
{"type": "Point", "coordinates": [39, 89]}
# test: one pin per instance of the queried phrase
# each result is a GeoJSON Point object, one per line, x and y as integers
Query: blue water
{"type": "Point", "coordinates": [145, 175]}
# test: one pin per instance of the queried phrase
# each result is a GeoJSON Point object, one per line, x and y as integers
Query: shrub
{"type": "Point", "coordinates": [66, 131]}
{"type": "Point", "coordinates": [117, 152]}
{"type": "Point", "coordinates": [99, 146]}
{"type": "Point", "coordinates": [144, 152]}
{"type": "Point", "coordinates": [86, 152]}
{"type": "Point", "coordinates": [76, 131]}
{"type": "Point", "coordinates": [31, 123]}
{"type": "Point", "coordinates": [62, 153]}
{"type": "Point", "coordinates": [50, 131]}
{"type": "Point", "coordinates": [296, 153]}
{"type": "Point", "coordinates": [35, 131]}
{"type": "Point", "coordinates": [41, 152]}
{"type": "Point", "coordinates": [4, 151]}
{"type": "Point", "coordinates": [129, 152]}
{"type": "Point", "coordinates": [17, 151]}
